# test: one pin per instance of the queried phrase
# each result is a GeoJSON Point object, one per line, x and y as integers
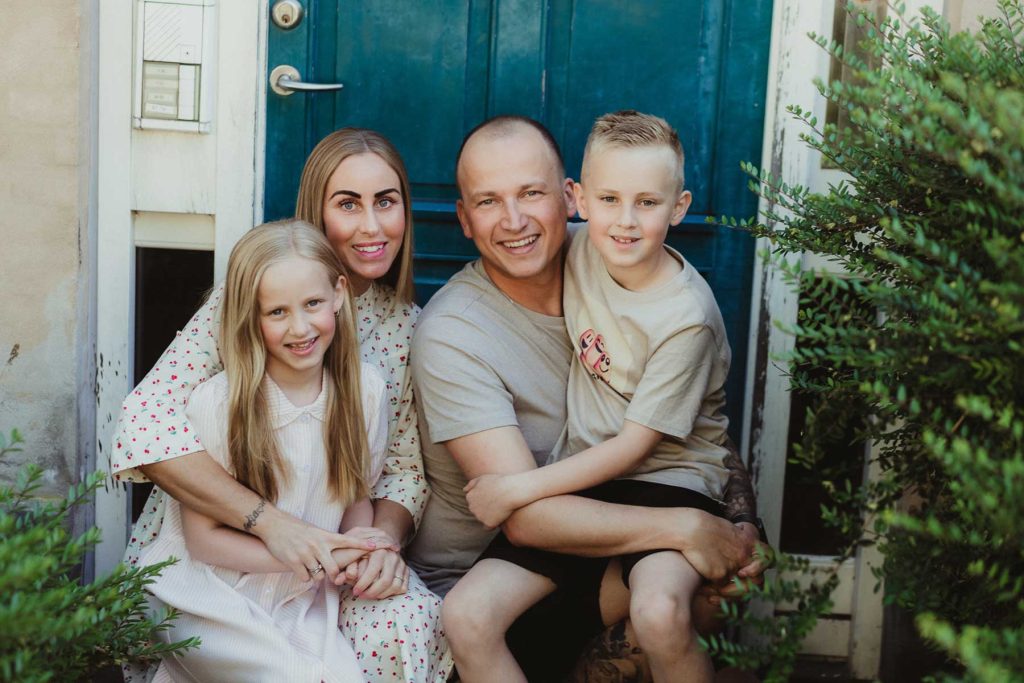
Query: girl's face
{"type": "Point", "coordinates": [364, 217]}
{"type": "Point", "coordinates": [297, 308]}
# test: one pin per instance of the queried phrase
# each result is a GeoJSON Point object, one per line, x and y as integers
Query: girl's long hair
{"type": "Point", "coordinates": [252, 448]}
{"type": "Point", "coordinates": [324, 159]}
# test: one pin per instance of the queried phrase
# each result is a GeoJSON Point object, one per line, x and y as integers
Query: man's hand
{"type": "Point", "coordinates": [492, 498]}
{"type": "Point", "coordinates": [748, 576]}
{"type": "Point", "coordinates": [380, 574]}
{"type": "Point", "coordinates": [717, 549]}
{"type": "Point", "coordinates": [301, 546]}
{"type": "Point", "coordinates": [762, 559]}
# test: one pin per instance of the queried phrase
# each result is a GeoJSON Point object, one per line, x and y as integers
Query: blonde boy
{"type": "Point", "coordinates": [645, 404]}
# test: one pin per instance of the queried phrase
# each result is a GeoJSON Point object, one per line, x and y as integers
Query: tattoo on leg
{"type": "Point", "coordinates": [250, 519]}
{"type": "Point", "coordinates": [612, 657]}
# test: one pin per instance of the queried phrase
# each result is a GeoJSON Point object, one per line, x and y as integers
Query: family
{"type": "Point", "coordinates": [543, 446]}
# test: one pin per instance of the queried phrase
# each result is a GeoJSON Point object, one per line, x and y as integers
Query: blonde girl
{"type": "Point", "coordinates": [354, 188]}
{"type": "Point", "coordinates": [298, 419]}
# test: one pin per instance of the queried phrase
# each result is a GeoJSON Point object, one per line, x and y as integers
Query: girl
{"type": "Point", "coordinates": [354, 188]}
{"type": "Point", "coordinates": [290, 419]}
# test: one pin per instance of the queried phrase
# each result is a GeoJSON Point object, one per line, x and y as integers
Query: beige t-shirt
{"type": "Point", "coordinates": [658, 358]}
{"type": "Point", "coordinates": [479, 361]}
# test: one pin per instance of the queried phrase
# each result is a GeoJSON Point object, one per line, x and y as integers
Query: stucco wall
{"type": "Point", "coordinates": [963, 14]}
{"type": "Point", "coordinates": [44, 187]}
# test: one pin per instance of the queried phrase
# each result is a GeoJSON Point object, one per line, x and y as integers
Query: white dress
{"type": "Point", "coordinates": [398, 639]}
{"type": "Point", "coordinates": [263, 627]}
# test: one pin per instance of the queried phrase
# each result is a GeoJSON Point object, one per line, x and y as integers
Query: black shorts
{"type": "Point", "coordinates": [573, 612]}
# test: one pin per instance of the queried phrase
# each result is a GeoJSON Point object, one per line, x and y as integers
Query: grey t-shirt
{"type": "Point", "coordinates": [479, 361]}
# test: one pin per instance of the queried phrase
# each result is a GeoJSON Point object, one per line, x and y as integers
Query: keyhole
{"type": "Point", "coordinates": [286, 18]}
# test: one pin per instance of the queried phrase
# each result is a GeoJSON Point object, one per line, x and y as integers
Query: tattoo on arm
{"type": "Point", "coordinates": [250, 519]}
{"type": "Point", "coordinates": [739, 490]}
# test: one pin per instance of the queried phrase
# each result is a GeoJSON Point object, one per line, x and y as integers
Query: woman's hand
{"type": "Point", "coordinates": [492, 498]}
{"type": "Point", "coordinates": [380, 574]}
{"type": "Point", "coordinates": [381, 539]}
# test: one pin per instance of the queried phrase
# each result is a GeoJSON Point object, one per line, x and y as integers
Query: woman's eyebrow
{"type": "Point", "coordinates": [384, 192]}
{"type": "Point", "coordinates": [349, 193]}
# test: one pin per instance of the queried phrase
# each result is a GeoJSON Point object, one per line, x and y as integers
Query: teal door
{"type": "Point", "coordinates": [423, 73]}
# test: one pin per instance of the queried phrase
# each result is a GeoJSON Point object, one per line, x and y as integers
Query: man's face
{"type": "Point", "coordinates": [514, 205]}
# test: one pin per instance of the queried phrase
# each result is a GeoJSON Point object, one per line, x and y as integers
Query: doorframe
{"type": "Point", "coordinates": [233, 156]}
{"type": "Point", "coordinates": [794, 59]}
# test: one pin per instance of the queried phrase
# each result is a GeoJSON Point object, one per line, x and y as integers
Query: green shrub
{"type": "Point", "coordinates": [52, 626]}
{"type": "Point", "coordinates": [929, 227]}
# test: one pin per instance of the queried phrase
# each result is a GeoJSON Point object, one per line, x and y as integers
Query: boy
{"type": "Point", "coordinates": [645, 411]}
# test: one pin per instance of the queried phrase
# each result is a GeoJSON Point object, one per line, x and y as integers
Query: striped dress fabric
{"type": "Point", "coordinates": [263, 627]}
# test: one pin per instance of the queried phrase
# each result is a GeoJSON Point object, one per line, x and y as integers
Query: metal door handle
{"type": "Point", "coordinates": [285, 79]}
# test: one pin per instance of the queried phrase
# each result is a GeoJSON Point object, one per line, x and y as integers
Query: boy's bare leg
{"type": "Point", "coordinates": [480, 609]}
{"type": "Point", "coordinates": [662, 589]}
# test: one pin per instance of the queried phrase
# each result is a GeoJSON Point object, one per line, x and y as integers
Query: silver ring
{"type": "Point", "coordinates": [397, 578]}
{"type": "Point", "coordinates": [316, 570]}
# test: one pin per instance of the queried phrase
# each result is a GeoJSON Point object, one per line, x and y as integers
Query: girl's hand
{"type": "Point", "coordinates": [301, 546]}
{"type": "Point", "coordinates": [380, 574]}
{"type": "Point", "coordinates": [492, 498]}
{"type": "Point", "coordinates": [343, 557]}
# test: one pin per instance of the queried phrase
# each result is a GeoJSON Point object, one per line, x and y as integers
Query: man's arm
{"type": "Point", "coordinates": [198, 482]}
{"type": "Point", "coordinates": [739, 489]}
{"type": "Point", "coordinates": [580, 526]}
{"type": "Point", "coordinates": [741, 508]}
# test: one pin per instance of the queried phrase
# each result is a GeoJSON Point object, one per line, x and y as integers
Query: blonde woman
{"type": "Point", "coordinates": [355, 189]}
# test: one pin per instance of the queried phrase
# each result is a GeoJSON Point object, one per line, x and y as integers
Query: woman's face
{"type": "Point", "coordinates": [364, 217]}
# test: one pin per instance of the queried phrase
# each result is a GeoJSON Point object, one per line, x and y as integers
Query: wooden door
{"type": "Point", "coordinates": [425, 73]}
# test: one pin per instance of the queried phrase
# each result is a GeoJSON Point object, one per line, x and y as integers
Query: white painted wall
{"type": "Point", "coordinates": [169, 189]}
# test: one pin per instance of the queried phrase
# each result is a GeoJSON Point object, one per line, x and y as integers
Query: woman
{"type": "Point", "coordinates": [355, 188]}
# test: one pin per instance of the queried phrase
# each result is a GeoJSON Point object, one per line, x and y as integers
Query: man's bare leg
{"type": "Point", "coordinates": [479, 611]}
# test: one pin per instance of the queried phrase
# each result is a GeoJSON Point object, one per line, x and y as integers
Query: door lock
{"type": "Point", "coordinates": [287, 13]}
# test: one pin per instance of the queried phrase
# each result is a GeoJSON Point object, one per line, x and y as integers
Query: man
{"type": "Point", "coordinates": [490, 367]}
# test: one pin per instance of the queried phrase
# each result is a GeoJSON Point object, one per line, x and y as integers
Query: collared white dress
{"type": "Point", "coordinates": [263, 627]}
{"type": "Point", "coordinates": [396, 639]}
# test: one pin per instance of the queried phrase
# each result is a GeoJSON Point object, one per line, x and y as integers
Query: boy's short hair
{"type": "Point", "coordinates": [630, 128]}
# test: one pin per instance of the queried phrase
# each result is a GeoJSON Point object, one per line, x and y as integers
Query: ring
{"type": "Point", "coordinates": [316, 570]}
{"type": "Point", "coordinates": [397, 579]}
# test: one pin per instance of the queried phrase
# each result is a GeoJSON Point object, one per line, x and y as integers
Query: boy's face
{"type": "Point", "coordinates": [630, 196]}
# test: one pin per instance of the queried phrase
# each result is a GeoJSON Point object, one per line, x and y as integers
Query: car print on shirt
{"type": "Point", "coordinates": [593, 355]}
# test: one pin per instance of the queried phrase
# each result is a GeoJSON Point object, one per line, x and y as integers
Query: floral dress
{"type": "Point", "coordinates": [395, 639]}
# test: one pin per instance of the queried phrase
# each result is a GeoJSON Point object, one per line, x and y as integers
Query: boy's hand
{"type": "Point", "coordinates": [492, 498]}
{"type": "Point", "coordinates": [378, 575]}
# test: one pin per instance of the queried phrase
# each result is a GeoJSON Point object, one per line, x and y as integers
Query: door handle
{"type": "Point", "coordinates": [285, 79]}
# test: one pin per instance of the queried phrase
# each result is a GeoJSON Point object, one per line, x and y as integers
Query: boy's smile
{"type": "Point", "coordinates": [630, 196]}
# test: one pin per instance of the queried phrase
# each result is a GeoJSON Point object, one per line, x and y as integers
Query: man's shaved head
{"type": "Point", "coordinates": [504, 126]}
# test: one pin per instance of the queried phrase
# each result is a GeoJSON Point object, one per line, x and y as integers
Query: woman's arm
{"type": "Point", "coordinates": [213, 543]}
{"type": "Point", "coordinates": [401, 493]}
{"type": "Point", "coordinates": [492, 498]}
{"type": "Point", "coordinates": [199, 482]}
{"type": "Point", "coordinates": [152, 426]}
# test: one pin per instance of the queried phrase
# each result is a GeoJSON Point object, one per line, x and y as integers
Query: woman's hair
{"type": "Point", "coordinates": [322, 162]}
{"type": "Point", "coordinates": [252, 448]}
